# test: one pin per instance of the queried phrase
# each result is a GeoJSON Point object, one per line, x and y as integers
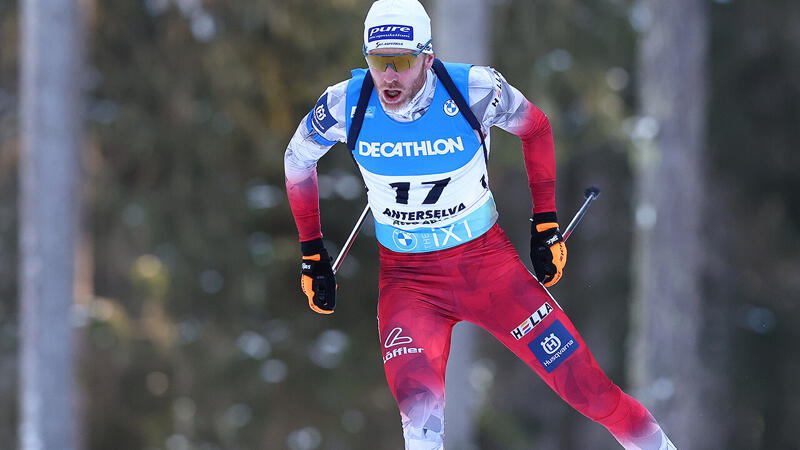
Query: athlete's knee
{"type": "Point", "coordinates": [606, 405]}
{"type": "Point", "coordinates": [427, 437]}
{"type": "Point", "coordinates": [423, 421]}
{"type": "Point", "coordinates": [604, 401]}
{"type": "Point", "coordinates": [424, 438]}
{"type": "Point", "coordinates": [590, 391]}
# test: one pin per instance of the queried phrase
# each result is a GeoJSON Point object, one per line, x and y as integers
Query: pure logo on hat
{"type": "Point", "coordinates": [397, 24]}
{"type": "Point", "coordinates": [390, 32]}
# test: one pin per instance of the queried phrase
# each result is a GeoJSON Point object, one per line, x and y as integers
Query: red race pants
{"type": "Point", "coordinates": [483, 281]}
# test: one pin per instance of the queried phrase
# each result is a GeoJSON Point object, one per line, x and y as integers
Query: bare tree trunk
{"type": "Point", "coordinates": [461, 34]}
{"type": "Point", "coordinates": [50, 120]}
{"type": "Point", "coordinates": [667, 366]}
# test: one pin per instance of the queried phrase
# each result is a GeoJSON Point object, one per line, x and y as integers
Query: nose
{"type": "Point", "coordinates": [390, 74]}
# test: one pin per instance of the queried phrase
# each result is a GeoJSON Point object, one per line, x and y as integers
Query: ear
{"type": "Point", "coordinates": [428, 60]}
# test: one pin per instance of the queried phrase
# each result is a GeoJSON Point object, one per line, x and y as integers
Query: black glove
{"type": "Point", "coordinates": [548, 250]}
{"type": "Point", "coordinates": [316, 277]}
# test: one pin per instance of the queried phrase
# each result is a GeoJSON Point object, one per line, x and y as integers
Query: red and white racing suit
{"type": "Point", "coordinates": [423, 295]}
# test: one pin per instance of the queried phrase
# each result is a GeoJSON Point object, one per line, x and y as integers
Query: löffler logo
{"type": "Point", "coordinates": [396, 339]}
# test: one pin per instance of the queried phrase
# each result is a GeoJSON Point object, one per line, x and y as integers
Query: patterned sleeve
{"type": "Point", "coordinates": [319, 130]}
{"type": "Point", "coordinates": [496, 103]}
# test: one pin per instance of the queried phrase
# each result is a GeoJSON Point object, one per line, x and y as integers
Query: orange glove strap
{"type": "Point", "coordinates": [545, 226]}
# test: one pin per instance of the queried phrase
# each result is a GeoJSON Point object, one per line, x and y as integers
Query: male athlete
{"type": "Point", "coordinates": [443, 258]}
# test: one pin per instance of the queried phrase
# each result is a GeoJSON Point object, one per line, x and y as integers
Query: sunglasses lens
{"type": "Point", "coordinates": [398, 62]}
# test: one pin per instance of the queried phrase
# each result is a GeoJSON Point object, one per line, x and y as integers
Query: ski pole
{"type": "Point", "coordinates": [349, 242]}
{"type": "Point", "coordinates": [591, 193]}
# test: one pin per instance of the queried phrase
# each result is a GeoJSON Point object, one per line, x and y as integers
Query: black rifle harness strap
{"type": "Point", "coordinates": [358, 116]}
{"type": "Point", "coordinates": [455, 94]}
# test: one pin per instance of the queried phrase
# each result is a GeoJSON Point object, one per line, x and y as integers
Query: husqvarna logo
{"type": "Point", "coordinates": [412, 149]}
{"type": "Point", "coordinates": [320, 113]}
{"type": "Point", "coordinates": [551, 344]}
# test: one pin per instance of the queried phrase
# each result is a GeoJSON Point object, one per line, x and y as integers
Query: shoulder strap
{"type": "Point", "coordinates": [463, 106]}
{"type": "Point", "coordinates": [444, 77]}
{"type": "Point", "coordinates": [358, 116]}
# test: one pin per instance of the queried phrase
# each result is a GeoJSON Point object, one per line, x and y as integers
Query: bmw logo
{"type": "Point", "coordinates": [450, 108]}
{"type": "Point", "coordinates": [404, 241]}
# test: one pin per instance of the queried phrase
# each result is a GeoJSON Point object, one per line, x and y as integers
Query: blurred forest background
{"type": "Point", "coordinates": [192, 331]}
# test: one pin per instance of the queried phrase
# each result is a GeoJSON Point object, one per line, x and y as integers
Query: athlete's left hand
{"type": "Point", "coordinates": [548, 250]}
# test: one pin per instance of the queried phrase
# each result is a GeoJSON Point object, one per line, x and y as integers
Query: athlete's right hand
{"type": "Point", "coordinates": [316, 277]}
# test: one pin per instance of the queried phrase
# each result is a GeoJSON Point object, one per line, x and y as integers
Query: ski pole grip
{"type": "Point", "coordinates": [591, 191]}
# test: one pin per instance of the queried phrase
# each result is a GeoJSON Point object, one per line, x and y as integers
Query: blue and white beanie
{"type": "Point", "coordinates": [397, 24]}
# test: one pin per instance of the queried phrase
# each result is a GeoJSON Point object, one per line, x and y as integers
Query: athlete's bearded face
{"type": "Point", "coordinates": [396, 89]}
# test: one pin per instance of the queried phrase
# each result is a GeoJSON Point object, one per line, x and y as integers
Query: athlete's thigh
{"type": "Point", "coordinates": [527, 320]}
{"type": "Point", "coordinates": [415, 343]}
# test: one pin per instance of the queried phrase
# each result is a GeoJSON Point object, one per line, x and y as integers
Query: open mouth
{"type": "Point", "coordinates": [391, 94]}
